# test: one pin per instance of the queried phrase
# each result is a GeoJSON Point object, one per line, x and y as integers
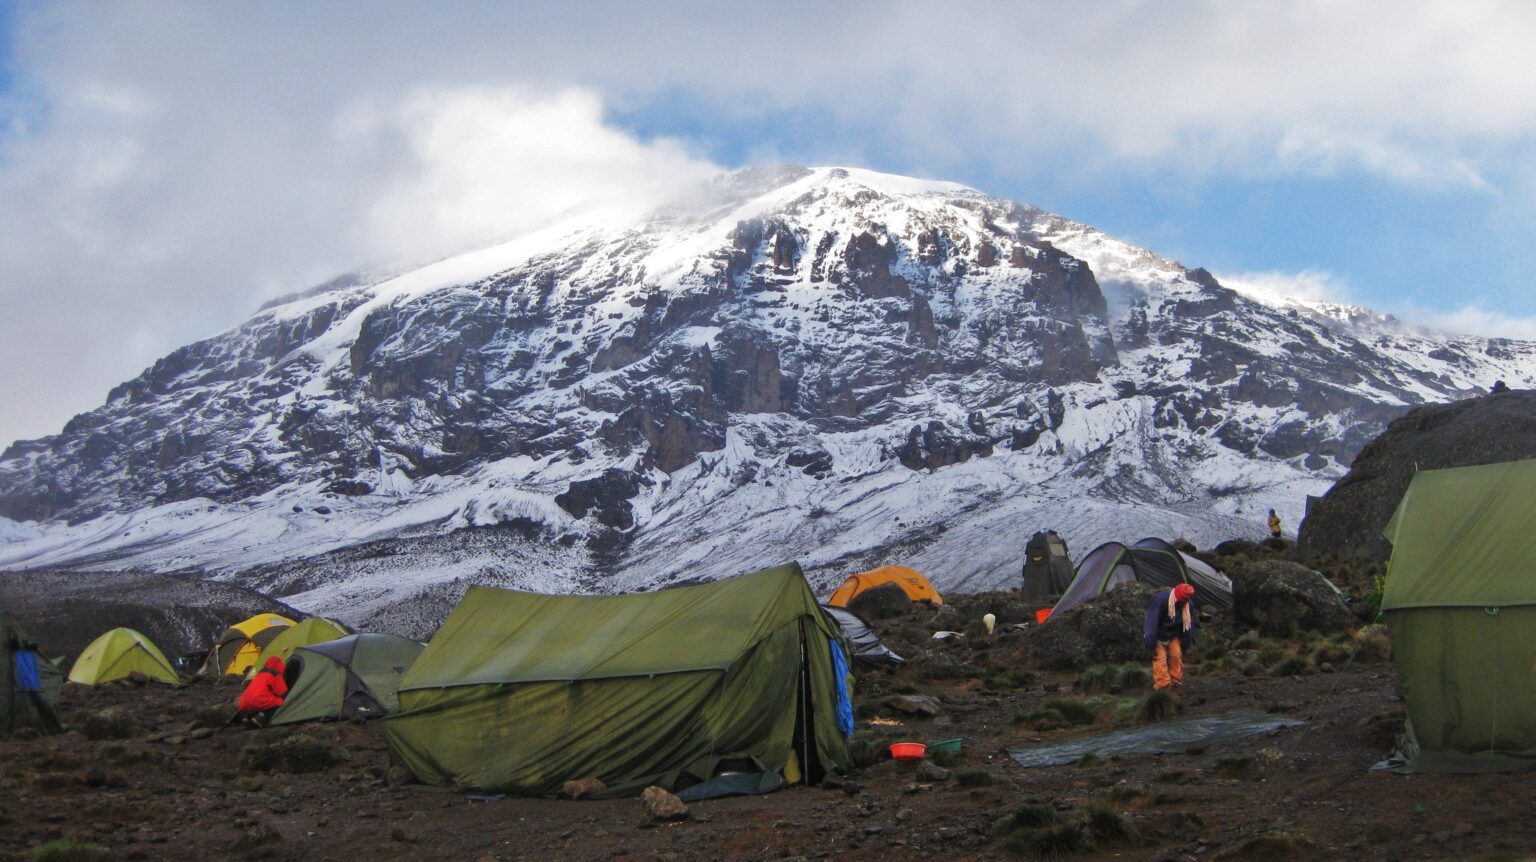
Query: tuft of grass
{"type": "Point", "coordinates": [1234, 767]}
{"type": "Point", "coordinates": [1248, 640]}
{"type": "Point", "coordinates": [1089, 761]}
{"type": "Point", "coordinates": [1267, 847]}
{"type": "Point", "coordinates": [1030, 815]}
{"type": "Point", "coordinates": [1177, 776]}
{"type": "Point", "coordinates": [1062, 712]}
{"type": "Point", "coordinates": [1372, 644]}
{"type": "Point", "coordinates": [1134, 677]}
{"type": "Point", "coordinates": [1290, 665]}
{"type": "Point", "coordinates": [1099, 678]}
{"type": "Point", "coordinates": [1126, 792]}
{"type": "Point", "coordinates": [1108, 826]}
{"type": "Point", "coordinates": [946, 758]}
{"type": "Point", "coordinates": [65, 850]}
{"type": "Point", "coordinates": [1160, 705]}
{"type": "Point", "coordinates": [1253, 667]}
{"type": "Point", "coordinates": [1059, 840]}
{"type": "Point", "coordinates": [974, 778]}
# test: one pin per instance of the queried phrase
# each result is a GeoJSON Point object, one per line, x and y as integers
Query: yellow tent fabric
{"type": "Point", "coordinates": [312, 631]}
{"type": "Point", "coordinates": [917, 587]}
{"type": "Point", "coordinates": [237, 649]}
{"type": "Point", "coordinates": [117, 654]}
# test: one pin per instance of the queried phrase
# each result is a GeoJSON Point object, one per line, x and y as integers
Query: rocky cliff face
{"type": "Point", "coordinates": [1348, 521]}
{"type": "Point", "coordinates": [829, 364]}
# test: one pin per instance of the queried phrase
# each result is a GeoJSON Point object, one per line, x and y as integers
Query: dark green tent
{"type": "Point", "coordinates": [357, 676]}
{"type": "Point", "coordinates": [520, 693]}
{"type": "Point", "coordinates": [29, 682]}
{"type": "Point", "coordinates": [1460, 603]}
{"type": "Point", "coordinates": [1047, 566]}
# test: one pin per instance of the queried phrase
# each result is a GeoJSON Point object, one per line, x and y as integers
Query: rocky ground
{"type": "Point", "coordinates": [144, 772]}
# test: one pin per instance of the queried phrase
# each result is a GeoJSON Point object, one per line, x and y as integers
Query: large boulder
{"type": "Point", "coordinates": [1278, 597]}
{"type": "Point", "coordinates": [1349, 519]}
{"type": "Point", "coordinates": [1103, 629]}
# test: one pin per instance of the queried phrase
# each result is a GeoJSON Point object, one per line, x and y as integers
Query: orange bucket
{"type": "Point", "coordinates": [1042, 615]}
{"type": "Point", "coordinates": [908, 750]}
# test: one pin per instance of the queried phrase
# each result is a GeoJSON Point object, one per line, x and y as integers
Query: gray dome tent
{"type": "Point", "coordinates": [357, 676]}
{"type": "Point", "coordinates": [1151, 561]}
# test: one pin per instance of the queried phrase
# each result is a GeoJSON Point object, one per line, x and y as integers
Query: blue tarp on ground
{"type": "Point", "coordinates": [1176, 735]}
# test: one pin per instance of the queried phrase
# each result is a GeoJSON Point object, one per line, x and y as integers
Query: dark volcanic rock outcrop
{"type": "Point", "coordinates": [1348, 521]}
{"type": "Point", "coordinates": [1279, 598]}
{"type": "Point", "coordinates": [1103, 629]}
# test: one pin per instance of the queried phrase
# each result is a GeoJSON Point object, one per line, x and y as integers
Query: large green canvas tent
{"type": "Point", "coordinates": [1460, 603]}
{"type": "Point", "coordinates": [357, 676]}
{"type": "Point", "coordinates": [29, 682]}
{"type": "Point", "coordinates": [519, 693]}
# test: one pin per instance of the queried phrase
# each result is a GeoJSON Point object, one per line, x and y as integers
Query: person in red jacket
{"type": "Point", "coordinates": [265, 693]}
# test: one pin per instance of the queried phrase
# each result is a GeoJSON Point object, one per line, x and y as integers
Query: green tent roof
{"type": "Point", "coordinates": [501, 636]}
{"type": "Point", "coordinates": [1465, 537]}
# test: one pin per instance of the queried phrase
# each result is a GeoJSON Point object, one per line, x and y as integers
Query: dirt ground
{"type": "Point", "coordinates": [170, 791]}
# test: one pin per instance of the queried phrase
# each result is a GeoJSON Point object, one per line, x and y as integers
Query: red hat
{"type": "Point", "coordinates": [1183, 592]}
{"type": "Point", "coordinates": [274, 663]}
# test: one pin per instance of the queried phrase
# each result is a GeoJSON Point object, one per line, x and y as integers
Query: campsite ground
{"type": "Point", "coordinates": [169, 792]}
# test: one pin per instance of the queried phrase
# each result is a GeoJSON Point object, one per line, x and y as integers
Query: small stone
{"type": "Point", "coordinates": [914, 704]}
{"type": "Point", "coordinates": [930, 771]}
{"type": "Point", "coordinates": [175, 739]}
{"type": "Point", "coordinates": [581, 788]}
{"type": "Point", "coordinates": [398, 834]}
{"type": "Point", "coordinates": [903, 815]}
{"type": "Point", "coordinates": [1463, 829]}
{"type": "Point", "coordinates": [661, 805]}
{"type": "Point", "coordinates": [1441, 837]}
{"type": "Point", "coordinates": [201, 733]}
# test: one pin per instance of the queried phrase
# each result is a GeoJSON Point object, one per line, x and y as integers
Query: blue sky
{"type": "Point", "coordinates": [165, 167]}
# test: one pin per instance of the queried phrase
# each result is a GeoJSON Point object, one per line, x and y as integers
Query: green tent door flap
{"type": "Point", "coordinates": [1460, 603]}
{"type": "Point", "coordinates": [519, 692]}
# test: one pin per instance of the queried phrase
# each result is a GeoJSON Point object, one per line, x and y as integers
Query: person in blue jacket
{"type": "Point", "coordinates": [1169, 631]}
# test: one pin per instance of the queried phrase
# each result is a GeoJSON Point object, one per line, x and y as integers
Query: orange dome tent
{"type": "Point", "coordinates": [917, 587]}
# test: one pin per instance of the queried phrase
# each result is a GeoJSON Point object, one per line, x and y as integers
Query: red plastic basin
{"type": "Point", "coordinates": [908, 750]}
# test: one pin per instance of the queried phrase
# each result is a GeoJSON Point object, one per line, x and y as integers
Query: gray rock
{"type": "Point", "coordinates": [581, 788]}
{"type": "Point", "coordinates": [930, 771]}
{"type": "Point", "coordinates": [1278, 597]}
{"type": "Point", "coordinates": [914, 704]}
{"type": "Point", "coordinates": [1103, 629]}
{"type": "Point", "coordinates": [661, 805]}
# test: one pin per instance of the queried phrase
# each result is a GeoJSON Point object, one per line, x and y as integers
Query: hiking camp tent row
{"type": "Point", "coordinates": [917, 587]}
{"type": "Point", "coordinates": [1150, 561]}
{"type": "Point", "coordinates": [1460, 604]}
{"type": "Point", "coordinates": [739, 682]}
{"type": "Point", "coordinates": [1047, 566]}
{"type": "Point", "coordinates": [236, 650]}
{"type": "Point", "coordinates": [119, 653]}
{"type": "Point", "coordinates": [353, 677]}
{"type": "Point", "coordinates": [29, 682]}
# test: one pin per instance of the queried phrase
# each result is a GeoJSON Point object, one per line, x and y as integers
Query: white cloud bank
{"type": "Point", "coordinates": [165, 166]}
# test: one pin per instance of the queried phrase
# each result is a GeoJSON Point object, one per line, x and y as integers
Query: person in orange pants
{"type": "Point", "coordinates": [1169, 631]}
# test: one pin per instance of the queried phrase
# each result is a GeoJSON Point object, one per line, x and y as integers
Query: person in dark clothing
{"type": "Point", "coordinates": [1169, 632]}
{"type": "Point", "coordinates": [265, 693]}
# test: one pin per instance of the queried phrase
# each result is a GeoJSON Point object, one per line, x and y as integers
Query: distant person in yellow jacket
{"type": "Point", "coordinates": [1274, 525]}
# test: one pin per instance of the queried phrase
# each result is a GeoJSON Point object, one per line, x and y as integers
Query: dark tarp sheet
{"type": "Point", "coordinates": [1177, 735]}
{"type": "Point", "coordinates": [868, 651]}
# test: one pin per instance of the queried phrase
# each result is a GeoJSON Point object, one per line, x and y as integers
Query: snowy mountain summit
{"type": "Point", "coordinates": [830, 365]}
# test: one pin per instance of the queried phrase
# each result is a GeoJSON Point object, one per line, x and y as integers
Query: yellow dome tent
{"type": "Point", "coordinates": [314, 630]}
{"type": "Point", "coordinates": [117, 654]}
{"type": "Point", "coordinates": [917, 587]}
{"type": "Point", "coordinates": [236, 650]}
